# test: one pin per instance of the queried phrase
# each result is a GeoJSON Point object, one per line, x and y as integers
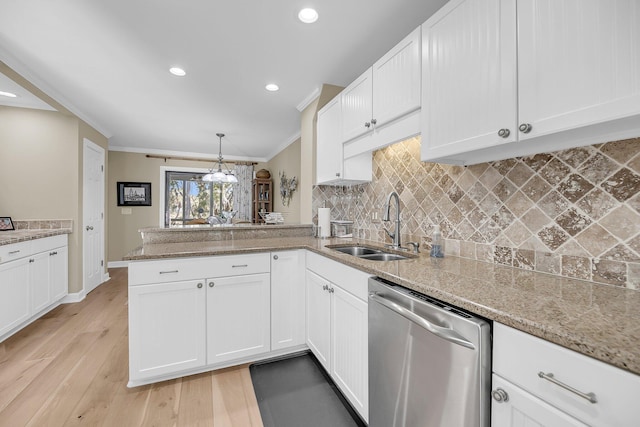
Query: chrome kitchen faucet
{"type": "Point", "coordinates": [395, 236]}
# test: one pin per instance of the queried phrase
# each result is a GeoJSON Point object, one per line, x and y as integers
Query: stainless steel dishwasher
{"type": "Point", "coordinates": [429, 363]}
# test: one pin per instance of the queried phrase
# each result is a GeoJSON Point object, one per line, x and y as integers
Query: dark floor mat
{"type": "Point", "coordinates": [295, 392]}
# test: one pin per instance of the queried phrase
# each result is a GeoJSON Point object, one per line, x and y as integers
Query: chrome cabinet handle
{"type": "Point", "coordinates": [325, 287]}
{"type": "Point", "coordinates": [504, 133]}
{"type": "Point", "coordinates": [439, 331]}
{"type": "Point", "coordinates": [199, 285]}
{"type": "Point", "coordinates": [374, 122]}
{"type": "Point", "coordinates": [239, 266]}
{"type": "Point", "coordinates": [14, 252]}
{"type": "Point", "coordinates": [367, 124]}
{"type": "Point", "coordinates": [591, 397]}
{"type": "Point", "coordinates": [53, 253]}
{"type": "Point", "coordinates": [275, 257]}
{"type": "Point", "coordinates": [338, 174]}
{"type": "Point", "coordinates": [499, 395]}
{"type": "Point", "coordinates": [169, 272]}
{"type": "Point", "coordinates": [525, 127]}
{"type": "Point", "coordinates": [31, 260]}
{"type": "Point", "coordinates": [331, 290]}
{"type": "Point", "coordinates": [88, 227]}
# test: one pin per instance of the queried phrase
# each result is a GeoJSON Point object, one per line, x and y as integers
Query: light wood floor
{"type": "Point", "coordinates": [71, 368]}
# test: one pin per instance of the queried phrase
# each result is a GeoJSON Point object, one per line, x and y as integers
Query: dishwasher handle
{"type": "Point", "coordinates": [444, 333]}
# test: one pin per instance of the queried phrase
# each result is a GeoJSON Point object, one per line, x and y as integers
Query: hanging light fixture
{"type": "Point", "coordinates": [219, 176]}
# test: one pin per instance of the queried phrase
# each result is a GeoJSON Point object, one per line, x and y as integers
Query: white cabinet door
{"type": "Point", "coordinates": [522, 409]}
{"type": "Point", "coordinates": [14, 294]}
{"type": "Point", "coordinates": [287, 299]}
{"type": "Point", "coordinates": [469, 77]}
{"type": "Point", "coordinates": [357, 111]}
{"type": "Point", "coordinates": [319, 318]}
{"type": "Point", "coordinates": [59, 273]}
{"type": "Point", "coordinates": [166, 328]}
{"type": "Point", "coordinates": [396, 80]}
{"type": "Point", "coordinates": [329, 143]}
{"type": "Point", "coordinates": [238, 317]}
{"type": "Point", "coordinates": [578, 63]}
{"type": "Point", "coordinates": [349, 348]}
{"type": "Point", "coordinates": [39, 281]}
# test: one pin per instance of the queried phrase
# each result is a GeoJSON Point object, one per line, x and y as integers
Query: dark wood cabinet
{"type": "Point", "coordinates": [262, 198]}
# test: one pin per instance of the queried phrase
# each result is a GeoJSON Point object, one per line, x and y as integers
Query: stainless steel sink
{"type": "Point", "coordinates": [383, 256]}
{"type": "Point", "coordinates": [356, 250]}
{"type": "Point", "coordinates": [369, 253]}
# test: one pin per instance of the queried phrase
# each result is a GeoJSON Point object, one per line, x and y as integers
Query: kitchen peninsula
{"type": "Point", "coordinates": [597, 320]}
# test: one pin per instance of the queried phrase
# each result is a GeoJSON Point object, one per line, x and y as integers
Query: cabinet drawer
{"type": "Point", "coordinates": [14, 251]}
{"type": "Point", "coordinates": [48, 243]}
{"type": "Point", "coordinates": [348, 278]}
{"type": "Point", "coordinates": [168, 270]}
{"type": "Point", "coordinates": [519, 357]}
{"type": "Point", "coordinates": [179, 269]}
{"type": "Point", "coordinates": [235, 265]}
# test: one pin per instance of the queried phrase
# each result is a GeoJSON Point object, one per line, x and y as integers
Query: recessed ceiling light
{"type": "Point", "coordinates": [8, 94]}
{"type": "Point", "coordinates": [177, 71]}
{"type": "Point", "coordinates": [272, 87]}
{"type": "Point", "coordinates": [308, 15]}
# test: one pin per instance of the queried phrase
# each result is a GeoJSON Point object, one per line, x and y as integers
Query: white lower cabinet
{"type": "Point", "coordinates": [238, 317]}
{"type": "Point", "coordinates": [166, 328]}
{"type": "Point", "coordinates": [337, 326]}
{"type": "Point", "coordinates": [522, 409]}
{"type": "Point", "coordinates": [538, 383]}
{"type": "Point", "coordinates": [319, 318]}
{"type": "Point", "coordinates": [196, 314]}
{"type": "Point", "coordinates": [287, 299]}
{"type": "Point", "coordinates": [33, 280]}
{"type": "Point", "coordinates": [14, 294]}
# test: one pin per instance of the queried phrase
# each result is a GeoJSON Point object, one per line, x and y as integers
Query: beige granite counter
{"type": "Point", "coordinates": [16, 236]}
{"type": "Point", "coordinates": [601, 321]}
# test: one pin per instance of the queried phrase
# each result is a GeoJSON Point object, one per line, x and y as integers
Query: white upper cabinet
{"type": "Point", "coordinates": [385, 92]}
{"type": "Point", "coordinates": [356, 100]}
{"type": "Point", "coordinates": [396, 81]}
{"type": "Point", "coordinates": [578, 63]}
{"type": "Point", "coordinates": [469, 69]}
{"type": "Point", "coordinates": [329, 143]}
{"type": "Point", "coordinates": [507, 78]}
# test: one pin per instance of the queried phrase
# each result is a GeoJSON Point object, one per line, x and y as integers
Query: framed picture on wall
{"type": "Point", "coordinates": [134, 194]}
{"type": "Point", "coordinates": [6, 224]}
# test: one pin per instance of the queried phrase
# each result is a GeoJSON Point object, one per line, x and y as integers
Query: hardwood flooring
{"type": "Point", "coordinates": [71, 368]}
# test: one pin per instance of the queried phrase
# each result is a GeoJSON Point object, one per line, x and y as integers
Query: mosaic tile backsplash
{"type": "Point", "coordinates": [574, 213]}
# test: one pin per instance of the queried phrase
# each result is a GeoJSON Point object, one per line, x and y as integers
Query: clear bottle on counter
{"type": "Point", "coordinates": [436, 243]}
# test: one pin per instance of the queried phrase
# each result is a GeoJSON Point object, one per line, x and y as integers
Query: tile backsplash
{"type": "Point", "coordinates": [573, 213]}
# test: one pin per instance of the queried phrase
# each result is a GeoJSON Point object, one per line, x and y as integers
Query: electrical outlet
{"type": "Point", "coordinates": [125, 211]}
{"type": "Point", "coordinates": [374, 217]}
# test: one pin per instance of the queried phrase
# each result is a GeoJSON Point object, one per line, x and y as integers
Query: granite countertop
{"type": "Point", "coordinates": [601, 321]}
{"type": "Point", "coordinates": [16, 236]}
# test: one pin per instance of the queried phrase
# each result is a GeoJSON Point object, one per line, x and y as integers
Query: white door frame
{"type": "Point", "coordinates": [98, 224]}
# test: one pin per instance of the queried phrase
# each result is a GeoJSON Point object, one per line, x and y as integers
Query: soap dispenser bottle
{"type": "Point", "coordinates": [436, 243]}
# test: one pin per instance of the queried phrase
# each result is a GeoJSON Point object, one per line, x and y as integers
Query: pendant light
{"type": "Point", "coordinates": [220, 176]}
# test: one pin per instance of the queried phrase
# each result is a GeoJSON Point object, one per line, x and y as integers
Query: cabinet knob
{"type": "Point", "coordinates": [367, 124]}
{"type": "Point", "coordinates": [499, 395]}
{"type": "Point", "coordinates": [374, 122]}
{"type": "Point", "coordinates": [88, 227]}
{"type": "Point", "coordinates": [275, 257]}
{"type": "Point", "coordinates": [504, 133]}
{"type": "Point", "coordinates": [31, 260]}
{"type": "Point", "coordinates": [199, 285]}
{"type": "Point", "coordinates": [331, 290]}
{"type": "Point", "coordinates": [211, 284]}
{"type": "Point", "coordinates": [525, 127]}
{"type": "Point", "coordinates": [325, 287]}
{"type": "Point", "coordinates": [338, 174]}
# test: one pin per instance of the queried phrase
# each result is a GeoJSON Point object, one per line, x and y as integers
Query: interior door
{"type": "Point", "coordinates": [93, 215]}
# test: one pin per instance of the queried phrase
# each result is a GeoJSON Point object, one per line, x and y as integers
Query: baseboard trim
{"type": "Point", "coordinates": [117, 264]}
{"type": "Point", "coordinates": [74, 297]}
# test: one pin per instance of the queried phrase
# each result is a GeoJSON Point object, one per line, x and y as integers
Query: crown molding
{"type": "Point", "coordinates": [308, 100]}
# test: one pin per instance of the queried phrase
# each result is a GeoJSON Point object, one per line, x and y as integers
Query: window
{"type": "Point", "coordinates": [187, 197]}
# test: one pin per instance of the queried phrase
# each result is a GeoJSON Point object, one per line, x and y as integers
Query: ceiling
{"type": "Point", "coordinates": [108, 61]}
